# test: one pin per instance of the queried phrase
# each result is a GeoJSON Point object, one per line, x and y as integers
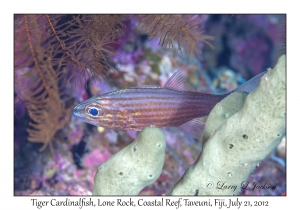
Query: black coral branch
{"type": "Point", "coordinates": [38, 83]}
{"type": "Point", "coordinates": [181, 31]}
{"type": "Point", "coordinates": [52, 49]}
{"type": "Point", "coordinates": [85, 42]}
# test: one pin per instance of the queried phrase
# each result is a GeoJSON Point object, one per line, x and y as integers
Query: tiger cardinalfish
{"type": "Point", "coordinates": [162, 106]}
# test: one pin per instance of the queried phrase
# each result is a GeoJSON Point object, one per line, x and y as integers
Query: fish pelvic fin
{"type": "Point", "coordinates": [194, 127]}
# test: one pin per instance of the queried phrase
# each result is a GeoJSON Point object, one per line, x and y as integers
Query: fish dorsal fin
{"type": "Point", "coordinates": [177, 80]}
{"type": "Point", "coordinates": [251, 84]}
{"type": "Point", "coordinates": [194, 127]}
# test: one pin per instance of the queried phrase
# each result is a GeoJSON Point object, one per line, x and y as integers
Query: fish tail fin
{"type": "Point", "coordinates": [251, 84]}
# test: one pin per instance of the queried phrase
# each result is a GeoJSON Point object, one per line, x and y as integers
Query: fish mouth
{"type": "Point", "coordinates": [79, 110]}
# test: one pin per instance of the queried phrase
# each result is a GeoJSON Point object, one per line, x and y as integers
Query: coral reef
{"type": "Point", "coordinates": [226, 160]}
{"type": "Point", "coordinates": [46, 58]}
{"type": "Point", "coordinates": [59, 48]}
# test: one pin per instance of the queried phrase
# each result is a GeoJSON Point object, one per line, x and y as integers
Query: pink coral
{"type": "Point", "coordinates": [95, 158]}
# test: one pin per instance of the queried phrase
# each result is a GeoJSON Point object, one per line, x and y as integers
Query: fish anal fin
{"type": "Point", "coordinates": [194, 127]}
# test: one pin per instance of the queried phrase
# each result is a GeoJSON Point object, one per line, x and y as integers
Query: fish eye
{"type": "Point", "coordinates": [94, 110]}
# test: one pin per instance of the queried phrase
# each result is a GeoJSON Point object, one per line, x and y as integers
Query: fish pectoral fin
{"type": "Point", "coordinates": [194, 127]}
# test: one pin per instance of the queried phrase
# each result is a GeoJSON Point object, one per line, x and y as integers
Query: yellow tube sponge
{"type": "Point", "coordinates": [134, 167]}
{"type": "Point", "coordinates": [242, 141]}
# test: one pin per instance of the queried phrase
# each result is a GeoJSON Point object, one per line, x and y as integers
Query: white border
{"type": "Point", "coordinates": [153, 6]}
